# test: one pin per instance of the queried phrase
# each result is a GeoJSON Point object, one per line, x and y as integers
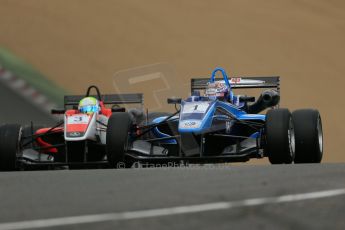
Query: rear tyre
{"type": "Point", "coordinates": [117, 137]}
{"type": "Point", "coordinates": [309, 136]}
{"type": "Point", "coordinates": [10, 136]}
{"type": "Point", "coordinates": [280, 136]}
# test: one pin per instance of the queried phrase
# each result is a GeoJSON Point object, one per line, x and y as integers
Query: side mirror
{"type": "Point", "coordinates": [118, 109]}
{"type": "Point", "coordinates": [247, 99]}
{"type": "Point", "coordinates": [174, 100]}
{"type": "Point", "coordinates": [58, 111]}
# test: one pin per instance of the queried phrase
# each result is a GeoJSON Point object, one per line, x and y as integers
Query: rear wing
{"type": "Point", "coordinates": [240, 82]}
{"type": "Point", "coordinates": [114, 99]}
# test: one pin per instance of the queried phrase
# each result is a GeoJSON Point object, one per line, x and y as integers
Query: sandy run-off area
{"type": "Point", "coordinates": [81, 42]}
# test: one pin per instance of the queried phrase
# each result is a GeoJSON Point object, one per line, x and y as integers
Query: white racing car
{"type": "Point", "coordinates": [80, 140]}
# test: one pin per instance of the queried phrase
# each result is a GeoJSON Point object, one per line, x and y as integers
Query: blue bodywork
{"type": "Point", "coordinates": [205, 120]}
{"type": "Point", "coordinates": [160, 134]}
{"type": "Point", "coordinates": [205, 117]}
{"type": "Point", "coordinates": [198, 113]}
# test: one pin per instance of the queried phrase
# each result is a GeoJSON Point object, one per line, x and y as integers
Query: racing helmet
{"type": "Point", "coordinates": [217, 89]}
{"type": "Point", "coordinates": [89, 105]}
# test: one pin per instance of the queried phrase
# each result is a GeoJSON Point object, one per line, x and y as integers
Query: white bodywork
{"type": "Point", "coordinates": [80, 127]}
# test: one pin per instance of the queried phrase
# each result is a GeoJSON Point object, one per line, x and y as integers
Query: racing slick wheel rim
{"type": "Point", "coordinates": [291, 136]}
{"type": "Point", "coordinates": [320, 134]}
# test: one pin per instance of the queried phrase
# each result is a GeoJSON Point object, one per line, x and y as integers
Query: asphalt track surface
{"type": "Point", "coordinates": [15, 109]}
{"type": "Point", "coordinates": [43, 195]}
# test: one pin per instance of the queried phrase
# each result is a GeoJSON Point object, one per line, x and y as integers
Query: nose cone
{"type": "Point", "coordinates": [195, 116]}
{"type": "Point", "coordinates": [77, 126]}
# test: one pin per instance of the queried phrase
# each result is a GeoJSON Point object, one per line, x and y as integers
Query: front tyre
{"type": "Point", "coordinates": [280, 136]}
{"type": "Point", "coordinates": [118, 129]}
{"type": "Point", "coordinates": [10, 138]}
{"type": "Point", "coordinates": [309, 136]}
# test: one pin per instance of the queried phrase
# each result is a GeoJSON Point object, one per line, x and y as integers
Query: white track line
{"type": "Point", "coordinates": [63, 221]}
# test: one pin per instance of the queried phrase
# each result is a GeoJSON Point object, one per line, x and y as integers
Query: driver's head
{"type": "Point", "coordinates": [217, 89]}
{"type": "Point", "coordinates": [89, 105]}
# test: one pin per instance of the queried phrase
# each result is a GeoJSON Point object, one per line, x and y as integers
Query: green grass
{"type": "Point", "coordinates": [28, 73]}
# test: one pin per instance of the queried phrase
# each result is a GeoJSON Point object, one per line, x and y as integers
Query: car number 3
{"type": "Point", "coordinates": [78, 119]}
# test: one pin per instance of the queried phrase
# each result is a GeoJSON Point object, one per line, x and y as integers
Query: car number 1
{"type": "Point", "coordinates": [195, 108]}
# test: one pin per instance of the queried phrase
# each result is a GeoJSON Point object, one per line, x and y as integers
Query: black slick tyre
{"type": "Point", "coordinates": [280, 140]}
{"type": "Point", "coordinates": [10, 138]}
{"type": "Point", "coordinates": [309, 136]}
{"type": "Point", "coordinates": [118, 129]}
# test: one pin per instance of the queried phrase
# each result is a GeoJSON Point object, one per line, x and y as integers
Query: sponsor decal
{"type": "Point", "coordinates": [75, 134]}
{"type": "Point", "coordinates": [244, 82]}
{"type": "Point", "coordinates": [227, 127]}
{"type": "Point", "coordinates": [235, 80]}
{"type": "Point", "coordinates": [240, 81]}
{"type": "Point", "coordinates": [190, 124]}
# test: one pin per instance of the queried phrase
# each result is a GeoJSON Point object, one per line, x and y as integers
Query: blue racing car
{"type": "Point", "coordinates": [215, 125]}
